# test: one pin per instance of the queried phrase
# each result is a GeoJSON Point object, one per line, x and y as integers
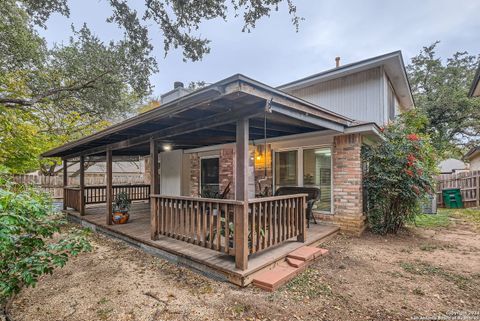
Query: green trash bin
{"type": "Point", "coordinates": [452, 198]}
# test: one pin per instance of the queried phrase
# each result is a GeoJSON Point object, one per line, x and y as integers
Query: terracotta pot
{"type": "Point", "coordinates": [120, 217]}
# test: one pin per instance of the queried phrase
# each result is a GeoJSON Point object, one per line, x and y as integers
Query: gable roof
{"type": "Point", "coordinates": [473, 152]}
{"type": "Point", "coordinates": [475, 89]}
{"type": "Point", "coordinates": [393, 66]}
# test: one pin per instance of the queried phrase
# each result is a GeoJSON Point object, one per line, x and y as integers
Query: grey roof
{"type": "Point", "coordinates": [450, 165]}
{"type": "Point", "coordinates": [132, 126]}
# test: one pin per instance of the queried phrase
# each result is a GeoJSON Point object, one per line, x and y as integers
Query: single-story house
{"type": "Point", "coordinates": [244, 139]}
{"type": "Point", "coordinates": [452, 165]}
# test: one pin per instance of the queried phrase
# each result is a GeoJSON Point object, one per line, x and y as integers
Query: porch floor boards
{"type": "Point", "coordinates": [138, 231]}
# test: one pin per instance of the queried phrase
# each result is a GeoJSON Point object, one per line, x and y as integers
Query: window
{"type": "Point", "coordinates": [317, 172]}
{"type": "Point", "coordinates": [286, 168]}
{"type": "Point", "coordinates": [210, 179]}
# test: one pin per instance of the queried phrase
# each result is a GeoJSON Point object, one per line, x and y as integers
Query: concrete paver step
{"type": "Point", "coordinates": [307, 253]}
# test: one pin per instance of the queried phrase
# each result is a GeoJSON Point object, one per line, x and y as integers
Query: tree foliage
{"type": "Point", "coordinates": [52, 95]}
{"type": "Point", "coordinates": [399, 174]}
{"type": "Point", "coordinates": [29, 247]}
{"type": "Point", "coordinates": [440, 89]}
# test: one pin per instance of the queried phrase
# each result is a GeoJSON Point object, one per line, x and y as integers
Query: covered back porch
{"type": "Point", "coordinates": [235, 111]}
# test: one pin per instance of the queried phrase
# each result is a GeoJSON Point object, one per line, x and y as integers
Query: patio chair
{"type": "Point", "coordinates": [313, 196]}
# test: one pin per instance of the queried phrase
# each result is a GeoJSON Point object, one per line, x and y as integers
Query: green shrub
{"type": "Point", "coordinates": [29, 245]}
{"type": "Point", "coordinates": [398, 175]}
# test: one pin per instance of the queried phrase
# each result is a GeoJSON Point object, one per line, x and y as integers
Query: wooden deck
{"type": "Point", "coordinates": [213, 263]}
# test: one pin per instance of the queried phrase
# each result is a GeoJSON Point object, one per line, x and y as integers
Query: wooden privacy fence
{"type": "Point", "coordinates": [467, 182]}
{"type": "Point", "coordinates": [54, 184]}
{"type": "Point", "coordinates": [211, 222]}
{"type": "Point", "coordinates": [98, 194]}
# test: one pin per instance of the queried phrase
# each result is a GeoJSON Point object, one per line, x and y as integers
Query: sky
{"type": "Point", "coordinates": [274, 53]}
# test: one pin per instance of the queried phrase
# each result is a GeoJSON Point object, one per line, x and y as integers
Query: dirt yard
{"type": "Point", "coordinates": [423, 272]}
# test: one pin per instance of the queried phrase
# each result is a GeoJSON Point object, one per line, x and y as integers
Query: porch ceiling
{"type": "Point", "coordinates": [207, 117]}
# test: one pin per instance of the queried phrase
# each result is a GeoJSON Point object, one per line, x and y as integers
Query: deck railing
{"type": "Point", "coordinates": [202, 221]}
{"type": "Point", "coordinates": [273, 220]}
{"type": "Point", "coordinates": [71, 197]}
{"type": "Point", "coordinates": [211, 222]}
{"type": "Point", "coordinates": [98, 194]}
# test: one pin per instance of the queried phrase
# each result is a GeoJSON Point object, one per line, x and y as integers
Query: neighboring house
{"type": "Point", "coordinates": [452, 165]}
{"type": "Point", "coordinates": [475, 89]}
{"type": "Point", "coordinates": [203, 141]}
{"type": "Point", "coordinates": [473, 157]}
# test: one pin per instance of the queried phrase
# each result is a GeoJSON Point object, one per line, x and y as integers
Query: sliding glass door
{"type": "Point", "coordinates": [317, 172]}
{"type": "Point", "coordinates": [286, 170]}
{"type": "Point", "coordinates": [309, 167]}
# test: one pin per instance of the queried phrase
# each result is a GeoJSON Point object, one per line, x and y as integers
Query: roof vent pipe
{"type": "Point", "coordinates": [177, 84]}
{"type": "Point", "coordinates": [337, 62]}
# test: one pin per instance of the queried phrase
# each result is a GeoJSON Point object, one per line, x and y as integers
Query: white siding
{"type": "Point", "coordinates": [360, 96]}
{"type": "Point", "coordinates": [475, 163]}
{"type": "Point", "coordinates": [171, 172]}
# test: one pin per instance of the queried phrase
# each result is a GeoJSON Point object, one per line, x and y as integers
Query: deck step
{"type": "Point", "coordinates": [307, 253]}
{"type": "Point", "coordinates": [272, 279]}
{"type": "Point", "coordinates": [295, 263]}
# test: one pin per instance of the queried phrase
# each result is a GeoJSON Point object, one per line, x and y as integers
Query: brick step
{"type": "Point", "coordinates": [273, 279]}
{"type": "Point", "coordinates": [294, 264]}
{"type": "Point", "coordinates": [307, 253]}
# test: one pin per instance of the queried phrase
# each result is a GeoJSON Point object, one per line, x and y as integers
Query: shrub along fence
{"type": "Point", "coordinates": [468, 182]}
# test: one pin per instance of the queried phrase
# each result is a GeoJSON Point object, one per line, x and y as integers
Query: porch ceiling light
{"type": "Point", "coordinates": [167, 147]}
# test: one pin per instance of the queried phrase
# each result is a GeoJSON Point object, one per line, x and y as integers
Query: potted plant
{"type": "Point", "coordinates": [121, 205]}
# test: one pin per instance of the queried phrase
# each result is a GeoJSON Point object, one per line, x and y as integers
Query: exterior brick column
{"type": "Point", "coordinates": [347, 183]}
{"type": "Point", "coordinates": [194, 175]}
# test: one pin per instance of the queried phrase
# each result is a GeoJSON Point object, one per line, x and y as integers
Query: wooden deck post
{"type": "Point", "coordinates": [82, 185]}
{"type": "Point", "coordinates": [302, 236]}
{"type": "Point", "coordinates": [108, 189]}
{"type": "Point", "coordinates": [154, 187]}
{"type": "Point", "coordinates": [65, 181]}
{"type": "Point", "coordinates": [241, 193]}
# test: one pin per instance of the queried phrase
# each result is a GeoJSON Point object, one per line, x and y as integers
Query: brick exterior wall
{"type": "Point", "coordinates": [347, 184]}
{"type": "Point", "coordinates": [227, 171]}
{"type": "Point", "coordinates": [194, 175]}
